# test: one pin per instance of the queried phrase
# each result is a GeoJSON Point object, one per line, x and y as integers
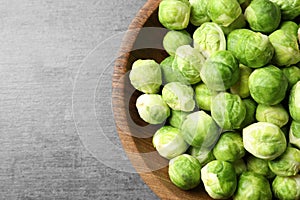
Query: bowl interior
{"type": "Point", "coordinates": [143, 41]}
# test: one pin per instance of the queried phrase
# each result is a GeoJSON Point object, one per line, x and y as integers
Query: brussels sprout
{"type": "Point", "coordinates": [220, 71]}
{"type": "Point", "coordinates": [223, 12]}
{"type": "Point", "coordinates": [198, 12]}
{"type": "Point", "coordinates": [228, 110]}
{"type": "Point", "coordinates": [179, 96]}
{"type": "Point", "coordinates": [263, 15]}
{"type": "Point", "coordinates": [145, 76]}
{"type": "Point", "coordinates": [294, 134]}
{"type": "Point", "coordinates": [167, 72]}
{"type": "Point", "coordinates": [290, 9]}
{"type": "Point", "coordinates": [252, 186]}
{"type": "Point", "coordinates": [239, 23]}
{"type": "Point", "coordinates": [184, 171]}
{"type": "Point", "coordinates": [268, 85]}
{"type": "Point", "coordinates": [200, 130]}
{"type": "Point", "coordinates": [285, 43]}
{"type": "Point", "coordinates": [239, 166]}
{"type": "Point", "coordinates": [202, 154]}
{"type": "Point", "coordinates": [250, 112]}
{"type": "Point", "coordinates": [292, 74]}
{"type": "Point", "coordinates": [294, 99]}
{"type": "Point", "coordinates": [264, 140]}
{"type": "Point", "coordinates": [152, 108]}
{"type": "Point", "coordinates": [287, 164]}
{"type": "Point", "coordinates": [252, 49]}
{"type": "Point", "coordinates": [174, 39]}
{"type": "Point", "coordinates": [177, 117]}
{"type": "Point", "coordinates": [203, 96]}
{"type": "Point", "coordinates": [169, 142]}
{"type": "Point", "coordinates": [174, 14]}
{"type": "Point", "coordinates": [171, 74]}
{"type": "Point", "coordinates": [219, 179]}
{"type": "Point", "coordinates": [274, 114]}
{"type": "Point", "coordinates": [289, 26]}
{"type": "Point", "coordinates": [287, 187]}
{"type": "Point", "coordinates": [189, 61]}
{"type": "Point", "coordinates": [259, 166]}
{"type": "Point", "coordinates": [229, 147]}
{"type": "Point", "coordinates": [241, 87]}
{"type": "Point", "coordinates": [209, 38]}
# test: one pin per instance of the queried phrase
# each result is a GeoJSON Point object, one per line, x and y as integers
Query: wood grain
{"type": "Point", "coordinates": [129, 125]}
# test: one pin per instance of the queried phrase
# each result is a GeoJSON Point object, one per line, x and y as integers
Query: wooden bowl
{"type": "Point", "coordinates": [136, 135]}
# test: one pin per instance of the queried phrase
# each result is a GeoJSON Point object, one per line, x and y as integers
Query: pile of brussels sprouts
{"type": "Point", "coordinates": [227, 96]}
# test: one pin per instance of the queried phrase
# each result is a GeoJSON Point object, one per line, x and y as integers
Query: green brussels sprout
{"type": "Point", "coordinates": [294, 106]}
{"type": "Point", "coordinates": [152, 108]}
{"type": "Point", "coordinates": [285, 43]}
{"type": "Point", "coordinates": [146, 76]}
{"type": "Point", "coordinates": [209, 38]}
{"type": "Point", "coordinates": [228, 110]}
{"type": "Point", "coordinates": [259, 166]}
{"type": "Point", "coordinates": [174, 14]}
{"type": "Point", "coordinates": [174, 39]}
{"type": "Point", "coordinates": [268, 85]}
{"type": "Point", "coordinates": [252, 49]}
{"type": "Point", "coordinates": [229, 147]}
{"type": "Point", "coordinates": [274, 114]}
{"type": "Point", "coordinates": [292, 74]}
{"type": "Point", "coordinates": [241, 87]}
{"type": "Point", "coordinates": [184, 171]}
{"type": "Point", "coordinates": [294, 134]}
{"type": "Point", "coordinates": [286, 187]}
{"type": "Point", "coordinates": [170, 73]}
{"type": "Point", "coordinates": [223, 12]}
{"type": "Point", "coordinates": [219, 179]}
{"type": "Point", "coordinates": [263, 15]}
{"type": "Point", "coordinates": [202, 154]}
{"type": "Point", "coordinates": [220, 71]}
{"type": "Point", "coordinates": [169, 142]}
{"type": "Point", "coordinates": [239, 23]}
{"type": "Point", "coordinates": [239, 166]}
{"type": "Point", "coordinates": [198, 12]}
{"type": "Point", "coordinates": [264, 140]}
{"type": "Point", "coordinates": [178, 75]}
{"type": "Point", "coordinates": [179, 96]}
{"type": "Point", "coordinates": [250, 112]}
{"type": "Point", "coordinates": [200, 130]}
{"type": "Point", "coordinates": [287, 164]}
{"type": "Point", "coordinates": [290, 9]}
{"type": "Point", "coordinates": [188, 61]}
{"type": "Point", "coordinates": [203, 96]}
{"type": "Point", "coordinates": [177, 117]}
{"type": "Point", "coordinates": [252, 186]}
{"type": "Point", "coordinates": [289, 26]}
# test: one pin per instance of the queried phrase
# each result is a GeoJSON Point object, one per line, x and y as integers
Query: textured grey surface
{"type": "Point", "coordinates": [43, 45]}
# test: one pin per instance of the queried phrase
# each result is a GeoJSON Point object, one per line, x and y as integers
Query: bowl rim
{"type": "Point", "coordinates": [121, 63]}
{"type": "Point", "coordinates": [117, 97]}
{"type": "Point", "coordinates": [159, 185]}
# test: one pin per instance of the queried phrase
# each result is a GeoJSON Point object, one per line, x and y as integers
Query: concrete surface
{"type": "Point", "coordinates": [43, 45]}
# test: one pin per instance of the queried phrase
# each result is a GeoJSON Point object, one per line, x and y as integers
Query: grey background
{"type": "Point", "coordinates": [42, 46]}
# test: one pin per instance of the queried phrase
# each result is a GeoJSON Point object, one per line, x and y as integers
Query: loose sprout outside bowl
{"type": "Point", "coordinates": [218, 89]}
